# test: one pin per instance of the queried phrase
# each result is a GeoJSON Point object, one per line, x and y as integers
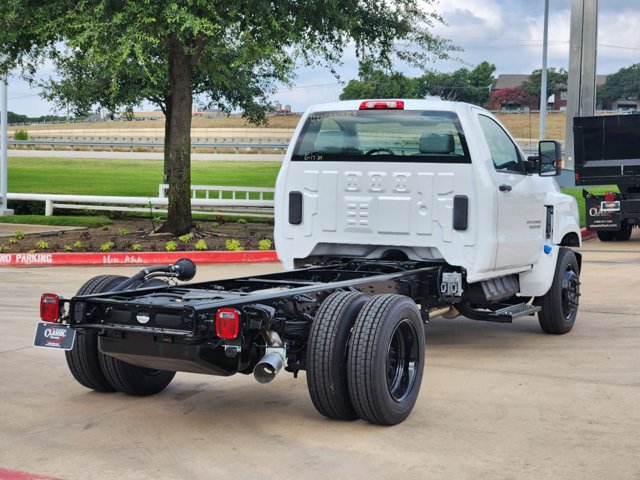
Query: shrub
{"type": "Point", "coordinates": [68, 248]}
{"type": "Point", "coordinates": [42, 245]}
{"type": "Point", "coordinates": [234, 245]}
{"type": "Point", "coordinates": [201, 245]}
{"type": "Point", "coordinates": [19, 235]}
{"type": "Point", "coordinates": [186, 238]}
{"type": "Point", "coordinates": [136, 247]}
{"type": "Point", "coordinates": [123, 231]}
{"type": "Point", "coordinates": [78, 244]}
{"type": "Point", "coordinates": [21, 135]}
{"type": "Point", "coordinates": [4, 248]}
{"type": "Point", "coordinates": [242, 221]}
{"type": "Point", "coordinates": [171, 246]}
{"type": "Point", "coordinates": [105, 228]}
{"type": "Point", "coordinates": [265, 244]}
{"type": "Point", "coordinates": [13, 240]}
{"type": "Point", "coordinates": [105, 247]}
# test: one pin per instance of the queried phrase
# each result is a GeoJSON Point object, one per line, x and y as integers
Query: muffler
{"type": "Point", "coordinates": [269, 365]}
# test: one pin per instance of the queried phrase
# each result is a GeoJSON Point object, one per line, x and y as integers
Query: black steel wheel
{"type": "Point", "coordinates": [327, 354]}
{"type": "Point", "coordinates": [560, 304]}
{"type": "Point", "coordinates": [134, 380]}
{"type": "Point", "coordinates": [83, 358]}
{"type": "Point", "coordinates": [385, 361]}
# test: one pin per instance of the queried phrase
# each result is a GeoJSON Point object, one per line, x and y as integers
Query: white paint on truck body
{"type": "Point", "coordinates": [369, 205]}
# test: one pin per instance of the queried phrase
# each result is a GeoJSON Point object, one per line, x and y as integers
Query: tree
{"type": "Point", "coordinates": [512, 97]}
{"type": "Point", "coordinates": [378, 84]}
{"type": "Point", "coordinates": [464, 85]}
{"type": "Point", "coordinates": [624, 84]}
{"type": "Point", "coordinates": [231, 53]}
{"type": "Point", "coordinates": [557, 82]}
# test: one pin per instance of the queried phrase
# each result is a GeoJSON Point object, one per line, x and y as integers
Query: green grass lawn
{"type": "Point", "coordinates": [126, 177]}
{"type": "Point", "coordinates": [142, 177]}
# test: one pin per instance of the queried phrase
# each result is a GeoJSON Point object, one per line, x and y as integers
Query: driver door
{"type": "Point", "coordinates": [520, 201]}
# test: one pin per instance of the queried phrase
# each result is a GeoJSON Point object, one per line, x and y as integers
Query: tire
{"type": "Point", "coordinates": [82, 359]}
{"type": "Point", "coordinates": [560, 304]}
{"type": "Point", "coordinates": [624, 233]}
{"type": "Point", "coordinates": [606, 236]}
{"type": "Point", "coordinates": [385, 361]}
{"type": "Point", "coordinates": [134, 380]}
{"type": "Point", "coordinates": [327, 354]}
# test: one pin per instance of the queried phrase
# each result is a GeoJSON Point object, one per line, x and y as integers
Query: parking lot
{"type": "Point", "coordinates": [497, 401]}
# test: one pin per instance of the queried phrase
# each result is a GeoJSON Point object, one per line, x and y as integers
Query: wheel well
{"type": "Point", "coordinates": [570, 240]}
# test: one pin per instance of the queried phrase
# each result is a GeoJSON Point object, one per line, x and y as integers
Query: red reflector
{"type": "Point", "coordinates": [382, 104]}
{"type": "Point", "coordinates": [49, 307]}
{"type": "Point", "coordinates": [609, 197]}
{"type": "Point", "coordinates": [577, 176]}
{"type": "Point", "coordinates": [227, 323]}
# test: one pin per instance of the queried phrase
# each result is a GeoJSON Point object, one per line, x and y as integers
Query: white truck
{"type": "Point", "coordinates": [389, 213]}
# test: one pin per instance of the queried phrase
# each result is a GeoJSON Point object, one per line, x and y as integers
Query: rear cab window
{"type": "Point", "coordinates": [382, 136]}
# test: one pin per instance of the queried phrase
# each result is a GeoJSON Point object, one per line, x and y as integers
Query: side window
{"type": "Point", "coordinates": [504, 152]}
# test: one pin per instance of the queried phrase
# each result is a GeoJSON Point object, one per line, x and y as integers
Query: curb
{"type": "Point", "coordinates": [142, 258]}
{"type": "Point", "coordinates": [587, 234]}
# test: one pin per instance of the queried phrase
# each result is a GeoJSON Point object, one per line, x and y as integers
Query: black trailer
{"type": "Point", "coordinates": [607, 152]}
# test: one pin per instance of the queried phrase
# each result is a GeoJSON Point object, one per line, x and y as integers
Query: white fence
{"type": "Point", "coordinates": [239, 201]}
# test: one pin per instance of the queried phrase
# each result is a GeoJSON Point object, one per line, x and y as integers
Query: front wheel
{"type": "Point", "coordinates": [624, 233]}
{"type": "Point", "coordinates": [386, 359]}
{"type": "Point", "coordinates": [560, 304]}
{"type": "Point", "coordinates": [606, 236]}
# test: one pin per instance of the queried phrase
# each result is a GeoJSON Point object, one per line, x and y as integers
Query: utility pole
{"type": "Point", "coordinates": [581, 88]}
{"type": "Point", "coordinates": [543, 83]}
{"type": "Point", "coordinates": [3, 149]}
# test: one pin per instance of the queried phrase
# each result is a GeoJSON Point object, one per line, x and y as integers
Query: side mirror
{"type": "Point", "coordinates": [550, 158]}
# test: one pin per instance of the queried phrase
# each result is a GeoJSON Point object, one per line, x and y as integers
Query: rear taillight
{"type": "Point", "coordinates": [609, 197]}
{"type": "Point", "coordinates": [382, 105]}
{"type": "Point", "coordinates": [227, 323]}
{"type": "Point", "coordinates": [49, 307]}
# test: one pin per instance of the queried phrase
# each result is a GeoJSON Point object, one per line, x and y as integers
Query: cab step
{"type": "Point", "coordinates": [511, 312]}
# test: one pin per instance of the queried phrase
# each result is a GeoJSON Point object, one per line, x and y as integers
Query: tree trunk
{"type": "Point", "coordinates": [179, 220]}
{"type": "Point", "coordinates": [167, 144]}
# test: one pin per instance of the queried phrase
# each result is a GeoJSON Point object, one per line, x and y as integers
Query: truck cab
{"type": "Point", "coordinates": [417, 179]}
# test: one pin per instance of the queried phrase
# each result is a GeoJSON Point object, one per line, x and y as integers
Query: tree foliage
{"type": "Point", "coordinates": [117, 53]}
{"type": "Point", "coordinates": [557, 82]}
{"type": "Point", "coordinates": [624, 84]}
{"type": "Point", "coordinates": [378, 84]}
{"type": "Point", "coordinates": [463, 85]}
{"type": "Point", "coordinates": [512, 97]}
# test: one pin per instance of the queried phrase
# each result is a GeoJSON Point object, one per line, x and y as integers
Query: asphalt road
{"type": "Point", "coordinates": [497, 401]}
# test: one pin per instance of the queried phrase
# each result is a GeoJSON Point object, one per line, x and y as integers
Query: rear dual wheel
{"type": "Point", "coordinates": [97, 371]}
{"type": "Point", "coordinates": [365, 357]}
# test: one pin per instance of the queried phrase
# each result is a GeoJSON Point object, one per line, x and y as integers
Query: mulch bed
{"type": "Point", "coordinates": [136, 235]}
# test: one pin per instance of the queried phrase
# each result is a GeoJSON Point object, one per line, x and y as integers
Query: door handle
{"type": "Point", "coordinates": [505, 188]}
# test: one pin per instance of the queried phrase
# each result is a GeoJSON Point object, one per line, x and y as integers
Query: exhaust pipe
{"type": "Point", "coordinates": [269, 365]}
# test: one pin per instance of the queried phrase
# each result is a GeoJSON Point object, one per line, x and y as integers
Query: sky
{"type": "Point", "coordinates": [507, 33]}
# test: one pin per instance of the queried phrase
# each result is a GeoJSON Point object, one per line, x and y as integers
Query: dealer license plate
{"type": "Point", "coordinates": [54, 335]}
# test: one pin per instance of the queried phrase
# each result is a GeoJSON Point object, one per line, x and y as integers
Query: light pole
{"type": "Point", "coordinates": [3, 148]}
{"type": "Point", "coordinates": [543, 82]}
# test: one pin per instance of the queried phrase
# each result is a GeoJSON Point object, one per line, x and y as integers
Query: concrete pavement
{"type": "Point", "coordinates": [497, 401]}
